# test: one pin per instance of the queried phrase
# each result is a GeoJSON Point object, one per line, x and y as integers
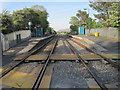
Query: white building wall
{"type": "Point", "coordinates": [9, 40]}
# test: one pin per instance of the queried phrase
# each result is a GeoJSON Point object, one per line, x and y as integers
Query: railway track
{"type": "Point", "coordinates": [104, 58]}
{"type": "Point", "coordinates": [42, 69]}
{"type": "Point", "coordinates": [103, 87]}
{"type": "Point", "coordinates": [39, 78]}
{"type": "Point", "coordinates": [32, 51]}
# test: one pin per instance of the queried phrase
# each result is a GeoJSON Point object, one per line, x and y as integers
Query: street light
{"type": "Point", "coordinates": [29, 23]}
{"type": "Point", "coordinates": [88, 18]}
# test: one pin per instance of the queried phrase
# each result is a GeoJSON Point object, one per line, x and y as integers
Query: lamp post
{"type": "Point", "coordinates": [29, 23]}
{"type": "Point", "coordinates": [88, 18]}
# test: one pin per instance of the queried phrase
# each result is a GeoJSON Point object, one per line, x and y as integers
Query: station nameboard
{"type": "Point", "coordinates": [38, 26]}
{"type": "Point", "coordinates": [84, 24]}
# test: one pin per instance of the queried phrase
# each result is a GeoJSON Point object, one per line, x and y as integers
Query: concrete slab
{"type": "Point", "coordinates": [68, 57]}
{"type": "Point", "coordinates": [111, 45]}
{"type": "Point", "coordinates": [90, 57]}
{"type": "Point", "coordinates": [113, 56]}
{"type": "Point", "coordinates": [30, 46]}
{"type": "Point", "coordinates": [19, 78]}
{"type": "Point", "coordinates": [45, 83]}
{"type": "Point", "coordinates": [90, 43]}
{"type": "Point", "coordinates": [32, 43]}
{"type": "Point", "coordinates": [92, 84]}
{"type": "Point", "coordinates": [26, 80]}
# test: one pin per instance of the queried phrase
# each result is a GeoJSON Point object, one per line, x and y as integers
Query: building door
{"type": "Point", "coordinates": [81, 30]}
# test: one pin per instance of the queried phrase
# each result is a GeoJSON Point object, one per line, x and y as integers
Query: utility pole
{"type": "Point", "coordinates": [88, 18]}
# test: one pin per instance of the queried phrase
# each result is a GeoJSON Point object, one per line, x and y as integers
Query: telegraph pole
{"type": "Point", "coordinates": [88, 18]}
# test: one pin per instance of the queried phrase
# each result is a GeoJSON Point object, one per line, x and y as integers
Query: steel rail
{"type": "Point", "coordinates": [102, 86]}
{"type": "Point", "coordinates": [29, 53]}
{"type": "Point", "coordinates": [106, 59]}
{"type": "Point", "coordinates": [39, 78]}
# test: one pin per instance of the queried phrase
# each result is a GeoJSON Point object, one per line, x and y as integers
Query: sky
{"type": "Point", "coordinates": [59, 12]}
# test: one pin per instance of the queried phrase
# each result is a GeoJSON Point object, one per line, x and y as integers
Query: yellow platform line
{"type": "Point", "coordinates": [111, 55]}
{"type": "Point", "coordinates": [92, 84]}
{"type": "Point", "coordinates": [1, 70]}
{"type": "Point", "coordinates": [19, 79]}
{"type": "Point", "coordinates": [68, 57]}
{"type": "Point", "coordinates": [45, 83]}
{"type": "Point", "coordinates": [26, 80]}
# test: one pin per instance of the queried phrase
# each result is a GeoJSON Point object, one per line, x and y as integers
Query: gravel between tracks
{"type": "Point", "coordinates": [79, 49]}
{"type": "Point", "coordinates": [69, 75]}
{"type": "Point", "coordinates": [62, 48]}
{"type": "Point", "coordinates": [72, 75]}
{"type": "Point", "coordinates": [106, 72]}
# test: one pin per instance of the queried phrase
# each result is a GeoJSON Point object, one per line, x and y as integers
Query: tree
{"type": "Point", "coordinates": [34, 15]}
{"type": "Point", "coordinates": [74, 21]}
{"type": "Point", "coordinates": [6, 21]}
{"type": "Point", "coordinates": [83, 16]}
{"type": "Point", "coordinates": [114, 15]}
{"type": "Point", "coordinates": [50, 30]}
{"type": "Point", "coordinates": [91, 23]}
{"type": "Point", "coordinates": [22, 17]}
{"type": "Point", "coordinates": [43, 15]}
{"type": "Point", "coordinates": [19, 19]}
{"type": "Point", "coordinates": [74, 27]}
{"type": "Point", "coordinates": [103, 9]}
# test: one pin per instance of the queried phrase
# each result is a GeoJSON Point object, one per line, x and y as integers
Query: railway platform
{"type": "Point", "coordinates": [21, 48]}
{"type": "Point", "coordinates": [107, 45]}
